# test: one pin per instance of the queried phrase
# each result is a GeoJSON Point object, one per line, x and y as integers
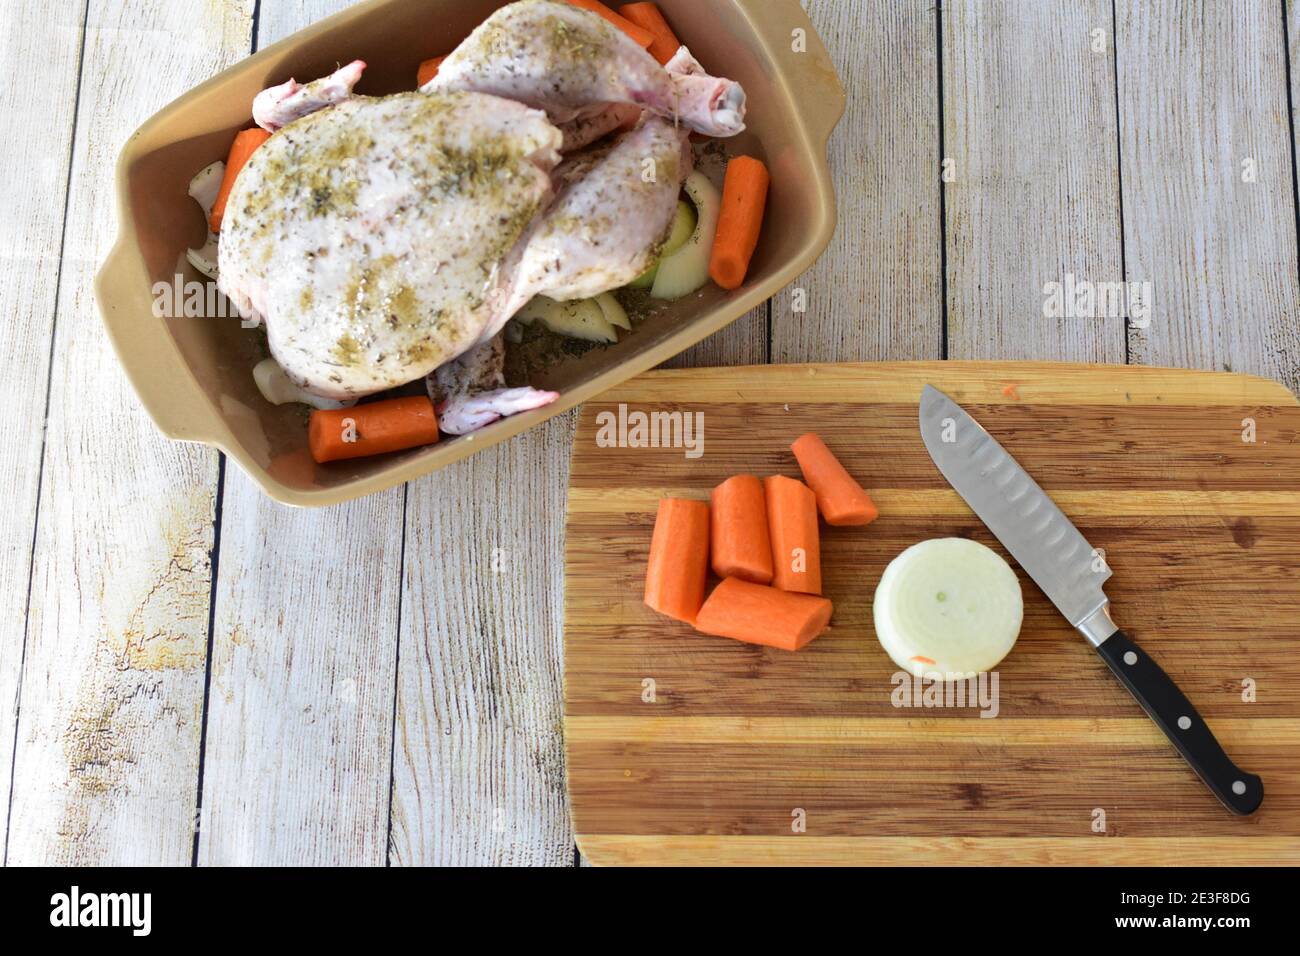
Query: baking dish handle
{"type": "Point", "coordinates": [785, 27]}
{"type": "Point", "coordinates": [170, 394]}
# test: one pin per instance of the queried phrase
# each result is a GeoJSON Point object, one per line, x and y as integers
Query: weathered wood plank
{"type": "Point", "coordinates": [108, 734]}
{"type": "Point", "coordinates": [40, 99]}
{"type": "Point", "coordinates": [875, 294]}
{"type": "Point", "coordinates": [744, 342]}
{"type": "Point", "coordinates": [297, 766]}
{"type": "Point", "coordinates": [1029, 116]}
{"type": "Point", "coordinates": [479, 759]}
{"type": "Point", "coordinates": [1209, 206]}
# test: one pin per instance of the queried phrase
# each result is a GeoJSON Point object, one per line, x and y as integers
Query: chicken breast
{"type": "Point", "coordinates": [370, 235]}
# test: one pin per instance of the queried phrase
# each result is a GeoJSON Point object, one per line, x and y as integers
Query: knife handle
{"type": "Point", "coordinates": [1173, 713]}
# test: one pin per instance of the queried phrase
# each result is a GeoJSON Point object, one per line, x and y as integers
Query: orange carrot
{"type": "Point", "coordinates": [792, 525]}
{"type": "Point", "coordinates": [757, 614]}
{"type": "Point", "coordinates": [392, 425]}
{"type": "Point", "coordinates": [738, 535]}
{"type": "Point", "coordinates": [245, 144]}
{"type": "Point", "coordinates": [841, 499]}
{"type": "Point", "coordinates": [679, 559]}
{"type": "Point", "coordinates": [428, 70]}
{"type": "Point", "coordinates": [744, 200]}
{"type": "Point", "coordinates": [642, 36]}
{"type": "Point", "coordinates": [647, 15]}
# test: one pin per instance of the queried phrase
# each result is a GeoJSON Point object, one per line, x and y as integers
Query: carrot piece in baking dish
{"type": "Point", "coordinates": [738, 540]}
{"type": "Point", "coordinates": [792, 525]}
{"type": "Point", "coordinates": [392, 425]}
{"type": "Point", "coordinates": [841, 499]}
{"type": "Point", "coordinates": [679, 559]}
{"type": "Point", "coordinates": [245, 144]}
{"type": "Point", "coordinates": [757, 614]}
{"type": "Point", "coordinates": [428, 70]}
{"type": "Point", "coordinates": [647, 15]}
{"type": "Point", "coordinates": [744, 201]}
{"type": "Point", "coordinates": [642, 36]}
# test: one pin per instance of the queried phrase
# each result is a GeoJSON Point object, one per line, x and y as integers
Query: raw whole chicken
{"type": "Point", "coordinates": [387, 239]}
{"type": "Point", "coordinates": [573, 64]}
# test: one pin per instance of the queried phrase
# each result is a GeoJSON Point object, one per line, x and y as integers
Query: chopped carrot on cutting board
{"type": "Point", "coordinates": [841, 499]}
{"type": "Point", "coordinates": [679, 559]}
{"type": "Point", "coordinates": [792, 525]}
{"type": "Point", "coordinates": [245, 144]}
{"type": "Point", "coordinates": [393, 425]}
{"type": "Point", "coordinates": [738, 538]}
{"type": "Point", "coordinates": [642, 36]}
{"type": "Point", "coordinates": [757, 614]}
{"type": "Point", "coordinates": [647, 16]}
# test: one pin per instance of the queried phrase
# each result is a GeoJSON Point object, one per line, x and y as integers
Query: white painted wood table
{"type": "Point", "coordinates": [190, 673]}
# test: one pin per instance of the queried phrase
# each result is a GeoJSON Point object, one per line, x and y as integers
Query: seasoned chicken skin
{"type": "Point", "coordinates": [611, 215]}
{"type": "Point", "coordinates": [370, 235]}
{"type": "Point", "coordinates": [613, 209]}
{"type": "Point", "coordinates": [279, 106]}
{"type": "Point", "coordinates": [572, 64]}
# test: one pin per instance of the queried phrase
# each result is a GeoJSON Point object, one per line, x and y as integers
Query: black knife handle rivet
{"type": "Point", "coordinates": [1174, 714]}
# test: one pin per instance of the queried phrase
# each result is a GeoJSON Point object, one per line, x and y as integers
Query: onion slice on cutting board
{"type": "Point", "coordinates": [949, 606]}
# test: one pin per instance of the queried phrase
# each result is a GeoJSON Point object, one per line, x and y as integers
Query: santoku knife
{"type": "Point", "coordinates": [1071, 573]}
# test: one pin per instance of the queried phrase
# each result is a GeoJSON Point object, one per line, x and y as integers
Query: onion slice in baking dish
{"type": "Point", "coordinates": [949, 607]}
{"type": "Point", "coordinates": [203, 190]}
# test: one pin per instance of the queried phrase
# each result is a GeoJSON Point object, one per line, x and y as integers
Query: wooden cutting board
{"type": "Point", "coordinates": [691, 749]}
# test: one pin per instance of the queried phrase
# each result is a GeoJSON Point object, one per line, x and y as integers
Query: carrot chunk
{"type": "Point", "coordinates": [428, 70]}
{"type": "Point", "coordinates": [679, 559]}
{"type": "Point", "coordinates": [647, 15]}
{"type": "Point", "coordinates": [792, 525]}
{"type": "Point", "coordinates": [738, 538]}
{"type": "Point", "coordinates": [245, 144]}
{"type": "Point", "coordinates": [744, 201]}
{"type": "Point", "coordinates": [757, 614]}
{"type": "Point", "coordinates": [392, 425]}
{"type": "Point", "coordinates": [642, 36]}
{"type": "Point", "coordinates": [841, 499]}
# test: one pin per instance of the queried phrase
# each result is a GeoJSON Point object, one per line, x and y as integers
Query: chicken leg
{"type": "Point", "coordinates": [612, 213]}
{"type": "Point", "coordinates": [565, 60]}
{"type": "Point", "coordinates": [470, 392]}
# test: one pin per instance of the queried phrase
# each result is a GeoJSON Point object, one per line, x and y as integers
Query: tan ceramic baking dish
{"type": "Point", "coordinates": [193, 375]}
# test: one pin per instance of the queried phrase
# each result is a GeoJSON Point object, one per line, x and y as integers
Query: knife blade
{"type": "Point", "coordinates": [1072, 574]}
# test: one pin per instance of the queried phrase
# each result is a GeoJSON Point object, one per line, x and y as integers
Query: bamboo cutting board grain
{"type": "Point", "coordinates": [690, 749]}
